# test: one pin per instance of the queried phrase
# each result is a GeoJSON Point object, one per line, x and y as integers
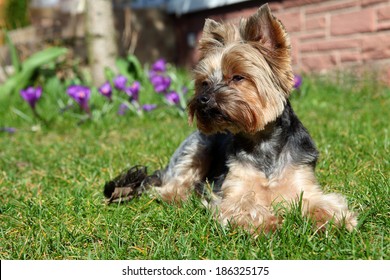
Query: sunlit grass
{"type": "Point", "coordinates": [51, 180]}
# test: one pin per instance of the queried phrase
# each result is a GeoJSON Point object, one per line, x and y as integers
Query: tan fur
{"type": "Point", "coordinates": [216, 36]}
{"type": "Point", "coordinates": [192, 167]}
{"type": "Point", "coordinates": [258, 51]}
{"type": "Point", "coordinates": [248, 198]}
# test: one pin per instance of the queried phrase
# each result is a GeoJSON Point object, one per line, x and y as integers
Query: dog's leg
{"type": "Point", "coordinates": [323, 208]}
{"type": "Point", "coordinates": [187, 167]}
{"type": "Point", "coordinates": [246, 200]}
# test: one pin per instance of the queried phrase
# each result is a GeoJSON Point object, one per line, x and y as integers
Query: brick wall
{"type": "Point", "coordinates": [325, 34]}
{"type": "Point", "coordinates": [342, 33]}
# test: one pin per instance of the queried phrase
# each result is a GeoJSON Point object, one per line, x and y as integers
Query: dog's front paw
{"type": "Point", "coordinates": [325, 208]}
{"type": "Point", "coordinates": [254, 218]}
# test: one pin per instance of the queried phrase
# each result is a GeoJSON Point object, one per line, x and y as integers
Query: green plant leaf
{"type": "Point", "coordinates": [135, 67]}
{"type": "Point", "coordinates": [16, 82]}
{"type": "Point", "coordinates": [14, 53]}
{"type": "Point", "coordinates": [22, 78]}
{"type": "Point", "coordinates": [109, 74]}
{"type": "Point", "coordinates": [123, 66]}
{"type": "Point", "coordinates": [43, 57]}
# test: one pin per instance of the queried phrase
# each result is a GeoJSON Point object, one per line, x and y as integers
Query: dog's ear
{"type": "Point", "coordinates": [217, 35]}
{"type": "Point", "coordinates": [212, 33]}
{"type": "Point", "coordinates": [212, 37]}
{"type": "Point", "coordinates": [264, 28]}
{"type": "Point", "coordinates": [210, 26]}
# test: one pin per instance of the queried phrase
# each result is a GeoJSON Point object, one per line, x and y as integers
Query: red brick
{"type": "Point", "coordinates": [294, 49]}
{"type": "Point", "coordinates": [350, 57]}
{"type": "Point", "coordinates": [374, 42]}
{"type": "Point", "coordinates": [313, 35]}
{"type": "Point", "coordinates": [372, 2]}
{"type": "Point", "coordinates": [353, 22]}
{"type": "Point", "coordinates": [376, 47]}
{"type": "Point", "coordinates": [318, 62]}
{"type": "Point", "coordinates": [296, 3]}
{"type": "Point", "coordinates": [275, 6]}
{"type": "Point", "coordinates": [384, 25]}
{"type": "Point", "coordinates": [315, 23]}
{"type": "Point", "coordinates": [292, 21]}
{"type": "Point", "coordinates": [238, 14]}
{"type": "Point", "coordinates": [377, 55]}
{"type": "Point", "coordinates": [328, 7]}
{"type": "Point", "coordinates": [329, 45]}
{"type": "Point", "coordinates": [384, 13]}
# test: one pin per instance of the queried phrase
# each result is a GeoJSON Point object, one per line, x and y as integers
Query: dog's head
{"type": "Point", "coordinates": [244, 75]}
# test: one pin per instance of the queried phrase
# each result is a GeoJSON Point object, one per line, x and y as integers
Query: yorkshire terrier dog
{"type": "Point", "coordinates": [250, 148]}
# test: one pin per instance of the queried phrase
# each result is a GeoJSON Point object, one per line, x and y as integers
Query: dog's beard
{"type": "Point", "coordinates": [239, 105]}
{"type": "Point", "coordinates": [226, 111]}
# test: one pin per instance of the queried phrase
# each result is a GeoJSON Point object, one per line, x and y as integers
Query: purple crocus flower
{"type": "Point", "coordinates": [297, 81]}
{"type": "Point", "coordinates": [31, 95]}
{"type": "Point", "coordinates": [172, 97]}
{"type": "Point", "coordinates": [120, 82]}
{"type": "Point", "coordinates": [10, 130]}
{"type": "Point", "coordinates": [159, 65]}
{"type": "Point", "coordinates": [133, 91]}
{"type": "Point", "coordinates": [149, 107]}
{"type": "Point", "coordinates": [160, 83]}
{"type": "Point", "coordinates": [81, 95]}
{"type": "Point", "coordinates": [122, 109]}
{"type": "Point", "coordinates": [106, 90]}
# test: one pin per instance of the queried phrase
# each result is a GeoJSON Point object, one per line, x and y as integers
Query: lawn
{"type": "Point", "coordinates": [52, 177]}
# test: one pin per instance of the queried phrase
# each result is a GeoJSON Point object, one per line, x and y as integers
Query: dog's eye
{"type": "Point", "coordinates": [237, 78]}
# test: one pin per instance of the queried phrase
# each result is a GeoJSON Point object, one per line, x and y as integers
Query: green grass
{"type": "Point", "coordinates": [51, 179]}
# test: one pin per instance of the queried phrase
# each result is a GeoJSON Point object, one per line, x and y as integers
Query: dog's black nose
{"type": "Point", "coordinates": [204, 99]}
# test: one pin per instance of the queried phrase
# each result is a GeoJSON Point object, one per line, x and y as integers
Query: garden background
{"type": "Point", "coordinates": [64, 132]}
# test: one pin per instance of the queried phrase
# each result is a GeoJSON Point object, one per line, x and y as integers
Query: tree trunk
{"type": "Point", "coordinates": [102, 49]}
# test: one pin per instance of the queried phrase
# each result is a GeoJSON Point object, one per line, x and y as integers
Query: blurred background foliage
{"type": "Point", "coordinates": [15, 14]}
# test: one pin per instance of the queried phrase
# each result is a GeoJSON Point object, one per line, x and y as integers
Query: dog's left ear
{"type": "Point", "coordinates": [264, 28]}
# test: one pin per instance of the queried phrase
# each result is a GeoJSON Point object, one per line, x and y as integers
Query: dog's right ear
{"type": "Point", "coordinates": [212, 37]}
